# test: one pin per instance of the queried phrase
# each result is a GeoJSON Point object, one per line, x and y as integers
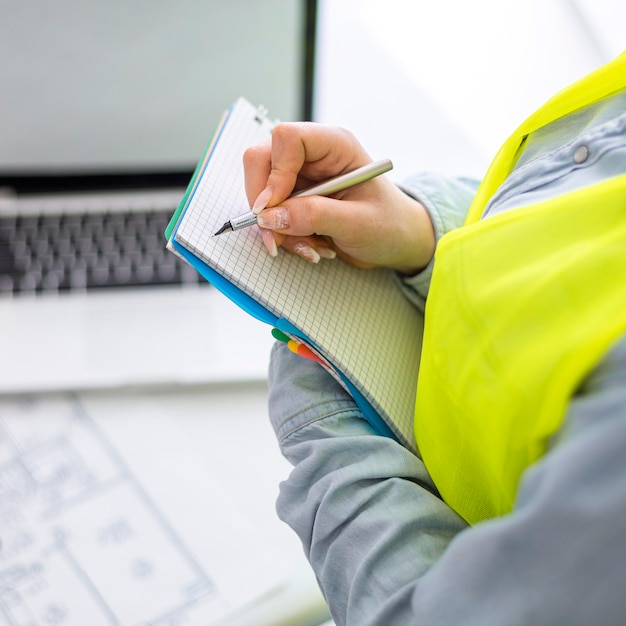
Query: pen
{"type": "Point", "coordinates": [343, 181]}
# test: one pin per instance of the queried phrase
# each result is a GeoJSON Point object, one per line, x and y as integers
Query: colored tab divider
{"type": "Point", "coordinates": [297, 348]}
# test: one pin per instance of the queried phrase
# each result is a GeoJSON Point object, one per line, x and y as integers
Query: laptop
{"type": "Point", "coordinates": [105, 108]}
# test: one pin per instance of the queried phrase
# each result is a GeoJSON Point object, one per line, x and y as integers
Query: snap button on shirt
{"type": "Point", "coordinates": [581, 154]}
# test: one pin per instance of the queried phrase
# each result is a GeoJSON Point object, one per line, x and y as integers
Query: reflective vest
{"type": "Point", "coordinates": [521, 307]}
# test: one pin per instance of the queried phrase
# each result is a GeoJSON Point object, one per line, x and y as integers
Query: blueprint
{"type": "Point", "coordinates": [82, 542]}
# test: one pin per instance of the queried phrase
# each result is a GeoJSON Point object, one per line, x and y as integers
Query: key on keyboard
{"type": "Point", "coordinates": [40, 253]}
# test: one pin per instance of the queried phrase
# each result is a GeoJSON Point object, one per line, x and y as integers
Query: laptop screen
{"type": "Point", "coordinates": [91, 87]}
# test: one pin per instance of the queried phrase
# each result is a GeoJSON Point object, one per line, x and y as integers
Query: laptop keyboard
{"type": "Point", "coordinates": [95, 250]}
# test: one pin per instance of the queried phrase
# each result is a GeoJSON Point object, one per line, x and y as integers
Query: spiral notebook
{"type": "Point", "coordinates": [357, 322]}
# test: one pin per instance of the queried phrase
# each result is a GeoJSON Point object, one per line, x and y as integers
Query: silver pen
{"type": "Point", "coordinates": [343, 181]}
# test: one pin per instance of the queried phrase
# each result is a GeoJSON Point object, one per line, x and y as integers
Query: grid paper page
{"type": "Point", "coordinates": [357, 319]}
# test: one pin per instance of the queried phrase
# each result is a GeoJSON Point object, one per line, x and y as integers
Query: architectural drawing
{"type": "Point", "coordinates": [81, 542]}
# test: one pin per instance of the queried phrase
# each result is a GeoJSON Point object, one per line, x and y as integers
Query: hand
{"type": "Point", "coordinates": [370, 225]}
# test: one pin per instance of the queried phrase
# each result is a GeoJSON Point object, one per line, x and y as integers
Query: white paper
{"type": "Point", "coordinates": [129, 509]}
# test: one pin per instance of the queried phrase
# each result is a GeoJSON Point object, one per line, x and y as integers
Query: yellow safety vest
{"type": "Point", "coordinates": [521, 307]}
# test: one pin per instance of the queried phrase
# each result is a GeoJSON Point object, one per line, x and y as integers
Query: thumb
{"type": "Point", "coordinates": [286, 158]}
{"type": "Point", "coordinates": [279, 186]}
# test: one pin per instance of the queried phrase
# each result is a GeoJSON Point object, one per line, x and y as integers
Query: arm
{"type": "Point", "coordinates": [387, 550]}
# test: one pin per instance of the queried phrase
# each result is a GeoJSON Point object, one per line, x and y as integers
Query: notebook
{"type": "Point", "coordinates": [105, 112]}
{"type": "Point", "coordinates": [357, 322]}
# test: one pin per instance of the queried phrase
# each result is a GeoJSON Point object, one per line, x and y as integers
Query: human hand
{"type": "Point", "coordinates": [369, 225]}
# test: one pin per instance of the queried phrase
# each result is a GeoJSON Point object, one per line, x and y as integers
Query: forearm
{"type": "Point", "coordinates": [387, 550]}
{"type": "Point", "coordinates": [364, 507]}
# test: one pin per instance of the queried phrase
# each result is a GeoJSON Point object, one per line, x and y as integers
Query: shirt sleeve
{"type": "Point", "coordinates": [387, 550]}
{"type": "Point", "coordinates": [447, 201]}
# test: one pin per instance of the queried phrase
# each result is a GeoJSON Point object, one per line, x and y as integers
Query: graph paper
{"type": "Point", "coordinates": [357, 320]}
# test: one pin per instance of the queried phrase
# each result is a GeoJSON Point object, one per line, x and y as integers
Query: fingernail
{"type": "Point", "coordinates": [306, 252]}
{"type": "Point", "coordinates": [269, 241]}
{"type": "Point", "coordinates": [261, 202]}
{"type": "Point", "coordinates": [326, 253]}
{"type": "Point", "coordinates": [275, 218]}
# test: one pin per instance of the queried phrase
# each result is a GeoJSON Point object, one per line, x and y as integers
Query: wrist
{"type": "Point", "coordinates": [417, 238]}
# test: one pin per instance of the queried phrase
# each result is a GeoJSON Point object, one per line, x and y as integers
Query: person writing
{"type": "Point", "coordinates": [514, 511]}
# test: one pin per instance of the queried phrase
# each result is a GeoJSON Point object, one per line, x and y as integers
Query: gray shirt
{"type": "Point", "coordinates": [384, 546]}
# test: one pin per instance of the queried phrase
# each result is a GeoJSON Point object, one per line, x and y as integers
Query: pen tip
{"type": "Point", "coordinates": [223, 229]}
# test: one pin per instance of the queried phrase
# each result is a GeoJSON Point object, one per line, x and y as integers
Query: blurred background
{"type": "Point", "coordinates": [138, 471]}
{"type": "Point", "coordinates": [441, 85]}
